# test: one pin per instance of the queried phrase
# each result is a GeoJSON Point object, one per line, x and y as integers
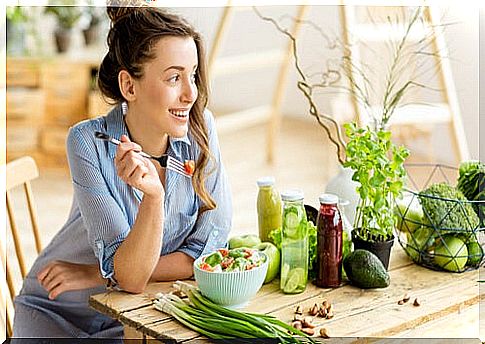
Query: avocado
{"type": "Point", "coordinates": [365, 270]}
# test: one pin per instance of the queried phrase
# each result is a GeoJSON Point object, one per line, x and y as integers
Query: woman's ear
{"type": "Point", "coordinates": [127, 85]}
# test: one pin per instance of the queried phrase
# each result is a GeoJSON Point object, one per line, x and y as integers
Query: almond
{"type": "Point", "coordinates": [323, 333]}
{"type": "Point", "coordinates": [307, 322]}
{"type": "Point", "coordinates": [297, 324]}
{"type": "Point", "coordinates": [308, 331]}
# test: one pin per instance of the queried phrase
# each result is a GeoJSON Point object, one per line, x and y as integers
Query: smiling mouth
{"type": "Point", "coordinates": [180, 113]}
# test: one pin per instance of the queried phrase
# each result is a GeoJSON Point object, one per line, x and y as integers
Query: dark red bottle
{"type": "Point", "coordinates": [329, 242]}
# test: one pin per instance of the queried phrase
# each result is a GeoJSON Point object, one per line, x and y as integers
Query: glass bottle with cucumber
{"type": "Point", "coordinates": [294, 244]}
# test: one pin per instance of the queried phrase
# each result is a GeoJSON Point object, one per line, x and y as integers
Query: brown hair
{"type": "Point", "coordinates": [133, 33]}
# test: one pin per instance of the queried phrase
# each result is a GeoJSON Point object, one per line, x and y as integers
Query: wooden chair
{"type": "Point", "coordinates": [19, 173]}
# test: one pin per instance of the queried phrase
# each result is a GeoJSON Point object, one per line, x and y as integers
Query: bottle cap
{"type": "Point", "coordinates": [266, 181]}
{"type": "Point", "coordinates": [292, 195]}
{"type": "Point", "coordinates": [328, 198]}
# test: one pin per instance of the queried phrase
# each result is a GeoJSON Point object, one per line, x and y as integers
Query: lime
{"type": "Point", "coordinates": [296, 279]}
{"type": "Point", "coordinates": [475, 253]}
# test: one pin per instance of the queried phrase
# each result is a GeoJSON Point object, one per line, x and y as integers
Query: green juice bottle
{"type": "Point", "coordinates": [294, 243]}
{"type": "Point", "coordinates": [268, 206]}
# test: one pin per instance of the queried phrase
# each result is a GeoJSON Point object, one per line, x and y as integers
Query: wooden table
{"type": "Point", "coordinates": [447, 299]}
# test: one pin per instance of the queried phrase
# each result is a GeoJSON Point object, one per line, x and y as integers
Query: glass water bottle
{"type": "Point", "coordinates": [294, 244]}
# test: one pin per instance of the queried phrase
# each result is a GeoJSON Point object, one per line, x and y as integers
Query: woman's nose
{"type": "Point", "coordinates": [189, 92]}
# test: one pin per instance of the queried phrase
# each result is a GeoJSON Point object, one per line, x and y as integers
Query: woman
{"type": "Point", "coordinates": [131, 220]}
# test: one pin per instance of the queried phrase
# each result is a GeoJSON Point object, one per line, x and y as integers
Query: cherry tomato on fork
{"type": "Point", "coordinates": [189, 166]}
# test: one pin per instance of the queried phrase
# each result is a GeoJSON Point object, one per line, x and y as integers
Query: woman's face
{"type": "Point", "coordinates": [166, 92]}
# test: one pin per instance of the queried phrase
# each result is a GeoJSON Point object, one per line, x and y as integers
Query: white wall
{"type": "Point", "coordinates": [248, 33]}
{"type": "Point", "coordinates": [463, 45]}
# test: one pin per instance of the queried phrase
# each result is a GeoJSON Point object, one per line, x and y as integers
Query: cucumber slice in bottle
{"type": "Point", "coordinates": [296, 278]}
{"type": "Point", "coordinates": [292, 220]}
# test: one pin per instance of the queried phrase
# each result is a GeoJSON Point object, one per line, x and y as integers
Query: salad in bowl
{"type": "Point", "coordinates": [235, 260]}
{"type": "Point", "coordinates": [231, 277]}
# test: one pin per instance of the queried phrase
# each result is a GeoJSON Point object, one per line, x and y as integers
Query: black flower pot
{"type": "Point", "coordinates": [382, 249]}
{"type": "Point", "coordinates": [63, 40]}
{"type": "Point", "coordinates": [91, 35]}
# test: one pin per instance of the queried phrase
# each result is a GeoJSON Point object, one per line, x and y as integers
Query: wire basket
{"type": "Point", "coordinates": [439, 233]}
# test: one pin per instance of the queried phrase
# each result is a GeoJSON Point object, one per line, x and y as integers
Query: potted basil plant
{"type": "Point", "coordinates": [67, 17]}
{"type": "Point", "coordinates": [91, 33]}
{"type": "Point", "coordinates": [378, 166]}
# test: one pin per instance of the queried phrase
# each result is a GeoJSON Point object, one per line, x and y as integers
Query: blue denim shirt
{"type": "Point", "coordinates": [104, 209]}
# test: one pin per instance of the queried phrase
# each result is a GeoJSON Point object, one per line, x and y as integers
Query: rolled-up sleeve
{"type": "Point", "coordinates": [105, 221]}
{"type": "Point", "coordinates": [212, 228]}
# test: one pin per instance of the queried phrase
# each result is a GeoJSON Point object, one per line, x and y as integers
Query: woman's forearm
{"type": "Point", "coordinates": [138, 255]}
{"type": "Point", "coordinates": [173, 266]}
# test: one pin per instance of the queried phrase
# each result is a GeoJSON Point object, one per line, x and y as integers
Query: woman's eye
{"type": "Point", "coordinates": [193, 77]}
{"type": "Point", "coordinates": [174, 79]}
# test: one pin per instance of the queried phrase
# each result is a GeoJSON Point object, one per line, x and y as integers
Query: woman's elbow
{"type": "Point", "coordinates": [132, 286]}
{"type": "Point", "coordinates": [130, 281]}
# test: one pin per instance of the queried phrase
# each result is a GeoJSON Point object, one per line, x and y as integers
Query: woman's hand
{"type": "Point", "coordinates": [58, 277]}
{"type": "Point", "coordinates": [136, 170]}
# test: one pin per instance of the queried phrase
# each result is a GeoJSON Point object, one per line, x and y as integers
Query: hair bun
{"type": "Point", "coordinates": [118, 9]}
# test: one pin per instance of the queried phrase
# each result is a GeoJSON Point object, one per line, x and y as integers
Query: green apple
{"type": "Point", "coordinates": [419, 241]}
{"type": "Point", "coordinates": [273, 255]}
{"type": "Point", "coordinates": [451, 254]}
{"type": "Point", "coordinates": [248, 240]}
{"type": "Point", "coordinates": [409, 213]}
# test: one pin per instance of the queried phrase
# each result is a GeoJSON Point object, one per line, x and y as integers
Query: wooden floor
{"type": "Point", "coordinates": [305, 159]}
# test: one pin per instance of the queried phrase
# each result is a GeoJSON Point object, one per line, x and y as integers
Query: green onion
{"type": "Point", "coordinates": [214, 321]}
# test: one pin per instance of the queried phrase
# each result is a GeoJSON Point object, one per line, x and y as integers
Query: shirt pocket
{"type": "Point", "coordinates": [177, 229]}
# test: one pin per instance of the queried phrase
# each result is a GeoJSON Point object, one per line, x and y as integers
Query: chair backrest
{"type": "Point", "coordinates": [19, 173]}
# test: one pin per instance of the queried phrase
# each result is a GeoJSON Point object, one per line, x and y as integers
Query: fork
{"type": "Point", "coordinates": [165, 160]}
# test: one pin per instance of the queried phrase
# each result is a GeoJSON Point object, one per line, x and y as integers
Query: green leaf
{"type": "Point", "coordinates": [396, 187]}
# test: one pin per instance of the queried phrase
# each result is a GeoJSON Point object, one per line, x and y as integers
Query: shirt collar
{"type": "Point", "coordinates": [176, 143]}
{"type": "Point", "coordinates": [115, 127]}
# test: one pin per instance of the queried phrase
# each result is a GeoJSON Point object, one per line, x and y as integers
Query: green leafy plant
{"type": "Point", "coordinates": [378, 168]}
{"type": "Point", "coordinates": [67, 16]}
{"type": "Point", "coordinates": [471, 182]}
{"type": "Point", "coordinates": [95, 15]}
{"type": "Point", "coordinates": [16, 14]}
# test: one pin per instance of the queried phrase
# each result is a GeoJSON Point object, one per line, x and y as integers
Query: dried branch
{"type": "Point", "coordinates": [358, 74]}
{"type": "Point", "coordinates": [330, 125]}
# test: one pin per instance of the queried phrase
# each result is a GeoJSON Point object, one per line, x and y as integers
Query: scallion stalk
{"type": "Point", "coordinates": [214, 321]}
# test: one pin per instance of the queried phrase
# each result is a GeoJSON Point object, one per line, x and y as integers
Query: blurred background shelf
{"type": "Point", "coordinates": [44, 98]}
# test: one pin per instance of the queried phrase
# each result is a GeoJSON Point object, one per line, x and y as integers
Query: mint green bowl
{"type": "Point", "coordinates": [230, 289]}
